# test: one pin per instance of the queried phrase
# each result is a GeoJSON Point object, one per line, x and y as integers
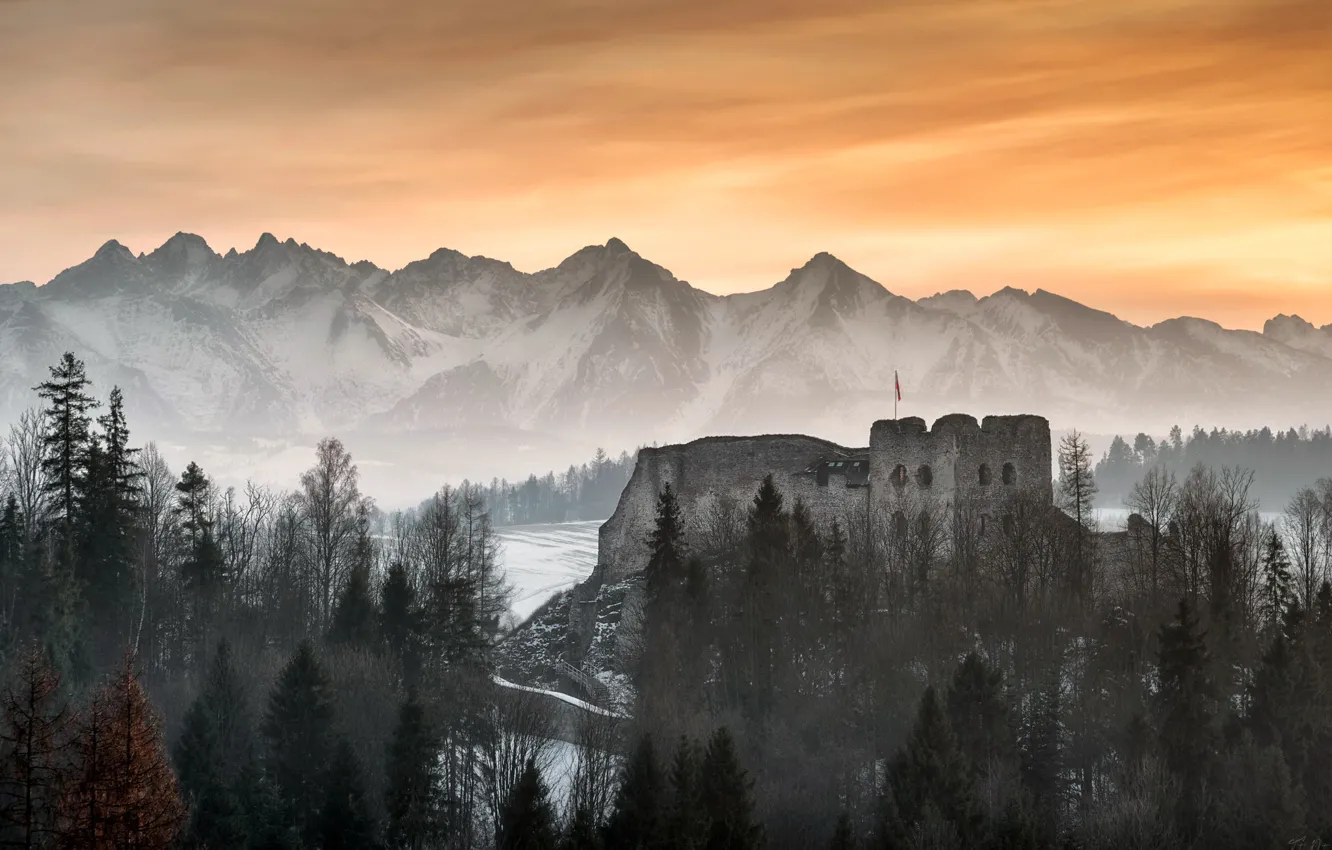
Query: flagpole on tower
{"type": "Point", "coordinates": [897, 393]}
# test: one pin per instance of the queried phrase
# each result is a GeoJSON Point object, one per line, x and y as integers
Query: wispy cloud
{"type": "Point", "coordinates": [728, 141]}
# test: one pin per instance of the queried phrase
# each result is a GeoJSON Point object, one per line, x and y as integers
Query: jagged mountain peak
{"type": "Point", "coordinates": [1283, 323]}
{"type": "Point", "coordinates": [615, 247]}
{"type": "Point", "coordinates": [112, 249]}
{"type": "Point", "coordinates": [181, 253]}
{"type": "Point", "coordinates": [957, 301]}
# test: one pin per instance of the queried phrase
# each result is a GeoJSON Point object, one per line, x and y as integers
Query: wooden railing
{"type": "Point", "coordinates": [596, 691]}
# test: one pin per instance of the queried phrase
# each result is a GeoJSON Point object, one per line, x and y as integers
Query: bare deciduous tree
{"type": "Point", "coordinates": [328, 502]}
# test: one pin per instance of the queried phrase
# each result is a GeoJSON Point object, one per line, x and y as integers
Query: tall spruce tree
{"type": "Point", "coordinates": [413, 792]}
{"type": "Point", "coordinates": [1276, 581]}
{"type": "Point", "coordinates": [760, 641]}
{"type": "Point", "coordinates": [215, 758]}
{"type": "Point", "coordinates": [636, 820]}
{"type": "Point", "coordinates": [686, 823]}
{"type": "Point", "coordinates": [726, 797]}
{"type": "Point", "coordinates": [1186, 709]}
{"type": "Point", "coordinates": [67, 437]}
{"type": "Point", "coordinates": [843, 837]}
{"type": "Point", "coordinates": [298, 730]}
{"type": "Point", "coordinates": [930, 773]}
{"type": "Point", "coordinates": [659, 664]}
{"type": "Point", "coordinates": [400, 622]}
{"type": "Point", "coordinates": [345, 820]}
{"type": "Point", "coordinates": [978, 716]}
{"type": "Point", "coordinates": [355, 620]}
{"type": "Point", "coordinates": [527, 821]}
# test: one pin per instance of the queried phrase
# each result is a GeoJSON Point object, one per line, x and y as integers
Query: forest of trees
{"type": "Point", "coordinates": [587, 492]}
{"type": "Point", "coordinates": [1035, 684]}
{"type": "Point", "coordinates": [188, 667]}
{"type": "Point", "coordinates": [184, 666]}
{"type": "Point", "coordinates": [1282, 462]}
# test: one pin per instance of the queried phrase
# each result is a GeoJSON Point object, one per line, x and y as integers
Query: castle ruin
{"type": "Point", "coordinates": [906, 466]}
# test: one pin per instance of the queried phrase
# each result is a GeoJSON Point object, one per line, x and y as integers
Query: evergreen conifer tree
{"type": "Point", "coordinates": [67, 437]}
{"type": "Point", "coordinates": [726, 797]}
{"type": "Point", "coordinates": [345, 820]}
{"type": "Point", "coordinates": [978, 716]}
{"type": "Point", "coordinates": [214, 758]}
{"type": "Point", "coordinates": [636, 820]}
{"type": "Point", "coordinates": [582, 833]}
{"type": "Point", "coordinates": [1276, 581]}
{"type": "Point", "coordinates": [769, 540]}
{"type": "Point", "coordinates": [355, 620]}
{"type": "Point", "coordinates": [298, 729]}
{"type": "Point", "coordinates": [412, 794]}
{"type": "Point", "coordinates": [1186, 708]}
{"type": "Point", "coordinates": [931, 772]}
{"type": "Point", "coordinates": [658, 675]}
{"type": "Point", "coordinates": [686, 825]}
{"type": "Point", "coordinates": [527, 821]}
{"type": "Point", "coordinates": [400, 621]}
{"type": "Point", "coordinates": [843, 837]}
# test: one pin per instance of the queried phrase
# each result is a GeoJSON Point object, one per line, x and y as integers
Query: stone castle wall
{"type": "Point", "coordinates": [958, 457]}
{"type": "Point", "coordinates": [702, 471]}
{"type": "Point", "coordinates": [940, 464]}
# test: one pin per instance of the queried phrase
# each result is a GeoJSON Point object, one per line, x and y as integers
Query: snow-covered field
{"type": "Point", "coordinates": [542, 560]}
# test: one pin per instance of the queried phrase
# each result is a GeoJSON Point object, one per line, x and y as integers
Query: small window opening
{"type": "Point", "coordinates": [1010, 475]}
{"type": "Point", "coordinates": [900, 476]}
{"type": "Point", "coordinates": [985, 475]}
{"type": "Point", "coordinates": [925, 476]}
{"type": "Point", "coordinates": [900, 524]}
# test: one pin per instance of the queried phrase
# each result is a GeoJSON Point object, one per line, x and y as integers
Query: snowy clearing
{"type": "Point", "coordinates": [542, 560]}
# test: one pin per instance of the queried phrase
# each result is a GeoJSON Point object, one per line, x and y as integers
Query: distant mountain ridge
{"type": "Point", "coordinates": [285, 338]}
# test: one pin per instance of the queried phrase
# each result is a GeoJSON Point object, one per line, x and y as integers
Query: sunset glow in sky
{"type": "Point", "coordinates": [1149, 157]}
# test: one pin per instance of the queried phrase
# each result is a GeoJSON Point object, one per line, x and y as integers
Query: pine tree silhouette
{"type": "Point", "coordinates": [345, 821]}
{"type": "Point", "coordinates": [298, 729]}
{"type": "Point", "coordinates": [931, 772]}
{"type": "Point", "coordinates": [636, 818]}
{"type": "Point", "coordinates": [527, 821]}
{"type": "Point", "coordinates": [412, 794]}
{"type": "Point", "coordinates": [355, 620]}
{"type": "Point", "coordinates": [725, 793]}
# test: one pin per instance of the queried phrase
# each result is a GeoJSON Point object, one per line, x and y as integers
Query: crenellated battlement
{"type": "Point", "coordinates": [908, 468]}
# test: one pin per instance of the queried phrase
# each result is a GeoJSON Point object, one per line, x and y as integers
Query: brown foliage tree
{"type": "Point", "coordinates": [122, 792]}
{"type": "Point", "coordinates": [33, 740]}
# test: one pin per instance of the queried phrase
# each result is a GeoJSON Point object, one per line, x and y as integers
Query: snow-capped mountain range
{"type": "Point", "coordinates": [285, 339]}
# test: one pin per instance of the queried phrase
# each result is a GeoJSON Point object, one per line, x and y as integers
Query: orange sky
{"type": "Point", "coordinates": [1150, 157]}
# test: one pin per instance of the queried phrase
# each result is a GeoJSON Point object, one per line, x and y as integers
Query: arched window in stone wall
{"type": "Point", "coordinates": [1010, 475]}
{"type": "Point", "coordinates": [925, 476]}
{"type": "Point", "coordinates": [1009, 525]}
{"type": "Point", "coordinates": [923, 525]}
{"type": "Point", "coordinates": [985, 475]}
{"type": "Point", "coordinates": [984, 521]}
{"type": "Point", "coordinates": [900, 476]}
{"type": "Point", "coordinates": [900, 525]}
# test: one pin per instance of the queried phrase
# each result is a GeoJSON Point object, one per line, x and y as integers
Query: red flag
{"type": "Point", "coordinates": [897, 385]}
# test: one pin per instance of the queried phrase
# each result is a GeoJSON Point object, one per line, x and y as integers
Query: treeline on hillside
{"type": "Point", "coordinates": [1282, 462]}
{"type": "Point", "coordinates": [182, 667]}
{"type": "Point", "coordinates": [587, 492]}
{"type": "Point", "coordinates": [1028, 683]}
